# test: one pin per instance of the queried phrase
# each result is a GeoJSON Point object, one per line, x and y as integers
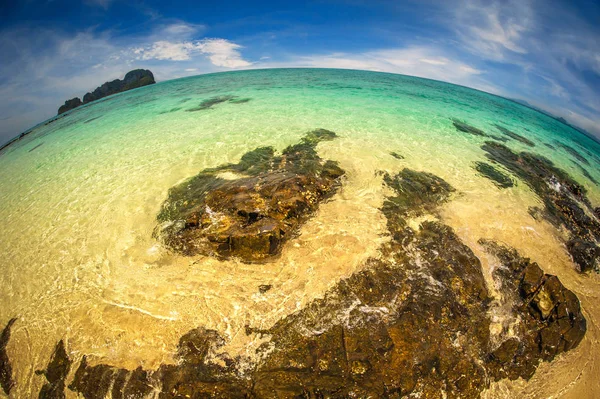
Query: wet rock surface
{"type": "Point", "coordinates": [250, 213]}
{"type": "Point", "coordinates": [565, 202]}
{"type": "Point", "coordinates": [550, 319]}
{"type": "Point", "coordinates": [56, 374]}
{"type": "Point", "coordinates": [413, 321]}
{"type": "Point", "coordinates": [6, 380]}
{"type": "Point", "coordinates": [515, 136]}
{"type": "Point", "coordinates": [501, 180]}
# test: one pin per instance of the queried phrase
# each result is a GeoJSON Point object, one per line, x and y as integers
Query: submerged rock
{"type": "Point", "coordinates": [208, 103]}
{"type": "Point", "coordinates": [466, 128]}
{"type": "Point", "coordinates": [396, 155]}
{"type": "Point", "coordinates": [515, 136]}
{"type": "Point", "coordinates": [56, 373]}
{"type": "Point", "coordinates": [6, 381]}
{"type": "Point", "coordinates": [573, 152]}
{"type": "Point", "coordinates": [565, 201]}
{"type": "Point", "coordinates": [256, 209]}
{"type": "Point", "coordinates": [585, 173]}
{"type": "Point", "coordinates": [500, 179]}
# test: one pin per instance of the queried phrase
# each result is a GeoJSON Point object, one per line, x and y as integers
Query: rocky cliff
{"type": "Point", "coordinates": [132, 80]}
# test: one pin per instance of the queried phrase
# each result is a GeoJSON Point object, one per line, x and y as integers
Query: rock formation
{"type": "Point", "coordinates": [132, 80]}
{"type": "Point", "coordinates": [69, 105]}
{"type": "Point", "coordinates": [250, 209]}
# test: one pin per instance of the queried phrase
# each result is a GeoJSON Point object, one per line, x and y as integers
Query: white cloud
{"type": "Point", "coordinates": [493, 28]}
{"type": "Point", "coordinates": [220, 52]}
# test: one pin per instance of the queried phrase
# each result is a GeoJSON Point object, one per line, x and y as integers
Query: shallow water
{"type": "Point", "coordinates": [80, 263]}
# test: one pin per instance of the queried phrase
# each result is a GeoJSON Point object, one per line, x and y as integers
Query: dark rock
{"type": "Point", "coordinates": [550, 319]}
{"type": "Point", "coordinates": [263, 288]}
{"type": "Point", "coordinates": [565, 201]}
{"type": "Point", "coordinates": [500, 179]}
{"type": "Point", "coordinates": [515, 136]}
{"type": "Point", "coordinates": [396, 155]}
{"type": "Point", "coordinates": [6, 381]}
{"type": "Point", "coordinates": [133, 79]}
{"type": "Point", "coordinates": [252, 216]}
{"type": "Point", "coordinates": [69, 105]}
{"type": "Point", "coordinates": [56, 373]}
{"type": "Point", "coordinates": [585, 254]}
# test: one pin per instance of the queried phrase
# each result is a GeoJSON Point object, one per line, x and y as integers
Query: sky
{"type": "Point", "coordinates": [545, 52]}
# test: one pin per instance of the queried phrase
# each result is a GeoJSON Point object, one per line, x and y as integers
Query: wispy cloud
{"type": "Point", "coordinates": [422, 61]}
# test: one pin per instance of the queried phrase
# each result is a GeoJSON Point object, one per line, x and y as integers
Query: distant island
{"type": "Point", "coordinates": [132, 80]}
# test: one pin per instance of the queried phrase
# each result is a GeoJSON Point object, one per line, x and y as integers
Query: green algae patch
{"type": "Point", "coordinates": [501, 180]}
{"type": "Point", "coordinates": [253, 211]}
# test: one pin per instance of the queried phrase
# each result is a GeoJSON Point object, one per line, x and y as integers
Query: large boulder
{"type": "Point", "coordinates": [250, 209]}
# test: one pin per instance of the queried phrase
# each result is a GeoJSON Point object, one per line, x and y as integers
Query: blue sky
{"type": "Point", "coordinates": [544, 52]}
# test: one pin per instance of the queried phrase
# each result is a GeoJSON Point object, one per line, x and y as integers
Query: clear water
{"type": "Point", "coordinates": [79, 198]}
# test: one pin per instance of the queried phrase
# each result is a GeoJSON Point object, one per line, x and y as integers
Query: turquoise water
{"type": "Point", "coordinates": [79, 198]}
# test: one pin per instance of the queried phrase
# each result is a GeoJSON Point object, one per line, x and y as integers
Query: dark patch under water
{"type": "Point", "coordinates": [565, 201]}
{"type": "Point", "coordinates": [209, 103]}
{"type": "Point", "coordinates": [36, 147]}
{"type": "Point", "coordinates": [500, 179]}
{"type": "Point", "coordinates": [466, 128]}
{"type": "Point", "coordinates": [170, 110]}
{"type": "Point", "coordinates": [573, 152]}
{"type": "Point", "coordinates": [585, 172]}
{"type": "Point", "coordinates": [396, 155]}
{"type": "Point", "coordinates": [93, 119]}
{"type": "Point", "coordinates": [515, 136]}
